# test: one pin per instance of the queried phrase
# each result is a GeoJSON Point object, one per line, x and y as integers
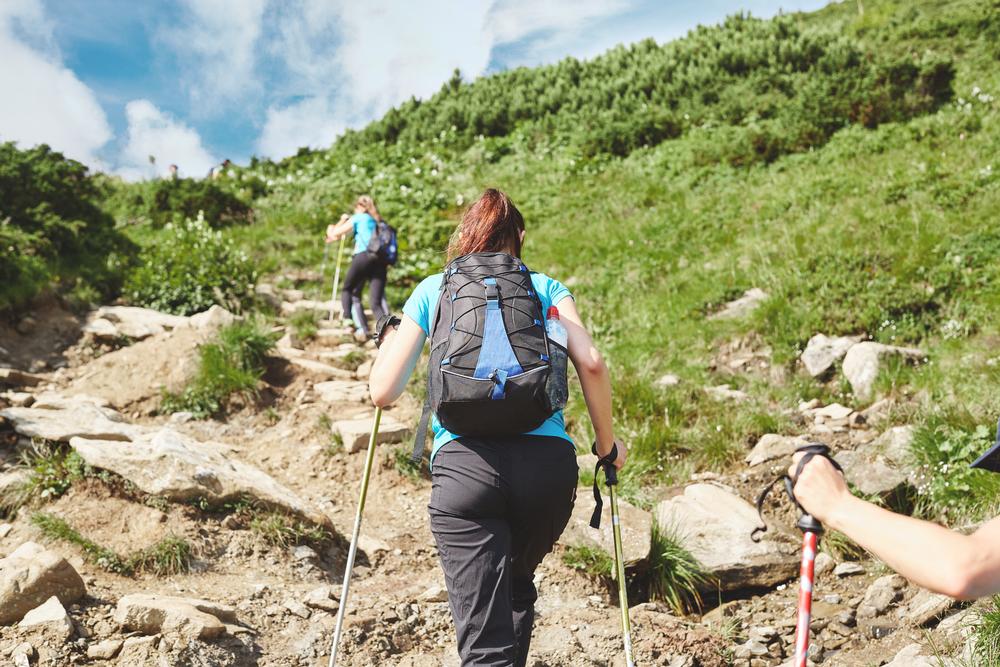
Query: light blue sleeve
{"type": "Point", "coordinates": [550, 290]}
{"type": "Point", "coordinates": [420, 306]}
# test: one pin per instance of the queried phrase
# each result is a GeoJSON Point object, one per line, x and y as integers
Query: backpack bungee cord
{"type": "Point", "coordinates": [811, 529]}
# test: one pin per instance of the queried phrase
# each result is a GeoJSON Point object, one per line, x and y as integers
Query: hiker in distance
{"type": "Point", "coordinates": [503, 467]}
{"type": "Point", "coordinates": [365, 266]}
{"type": "Point", "coordinates": [929, 555]}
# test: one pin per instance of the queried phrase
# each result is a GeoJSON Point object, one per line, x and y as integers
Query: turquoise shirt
{"type": "Point", "coordinates": [364, 229]}
{"type": "Point", "coordinates": [420, 308]}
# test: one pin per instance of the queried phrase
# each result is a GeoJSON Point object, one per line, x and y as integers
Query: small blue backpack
{"type": "Point", "coordinates": [383, 243]}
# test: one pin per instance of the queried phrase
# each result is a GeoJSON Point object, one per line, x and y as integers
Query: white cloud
{"type": "Point", "coordinates": [217, 46]}
{"type": "Point", "coordinates": [44, 102]}
{"type": "Point", "coordinates": [349, 62]}
{"type": "Point", "coordinates": [153, 133]}
{"type": "Point", "coordinates": [309, 122]}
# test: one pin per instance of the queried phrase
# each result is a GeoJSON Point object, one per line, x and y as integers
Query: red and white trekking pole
{"type": "Point", "coordinates": [811, 529]}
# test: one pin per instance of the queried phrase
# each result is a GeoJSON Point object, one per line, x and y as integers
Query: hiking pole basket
{"type": "Point", "coordinates": [336, 277]}
{"type": "Point", "coordinates": [607, 463]}
{"type": "Point", "coordinates": [811, 529]}
{"type": "Point", "coordinates": [352, 552]}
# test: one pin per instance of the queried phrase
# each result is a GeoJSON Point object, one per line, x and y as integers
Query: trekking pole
{"type": "Point", "coordinates": [352, 552]}
{"type": "Point", "coordinates": [322, 268]}
{"type": "Point", "coordinates": [812, 530]}
{"type": "Point", "coordinates": [336, 277]}
{"type": "Point", "coordinates": [611, 478]}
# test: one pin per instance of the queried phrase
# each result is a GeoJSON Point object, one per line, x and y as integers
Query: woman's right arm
{"type": "Point", "coordinates": [594, 378]}
{"type": "Point", "coordinates": [395, 361]}
{"type": "Point", "coordinates": [334, 232]}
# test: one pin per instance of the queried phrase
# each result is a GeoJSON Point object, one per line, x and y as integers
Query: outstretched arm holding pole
{"type": "Point", "coordinates": [929, 555]}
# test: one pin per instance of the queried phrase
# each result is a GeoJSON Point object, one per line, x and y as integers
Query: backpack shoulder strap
{"type": "Point", "coordinates": [420, 437]}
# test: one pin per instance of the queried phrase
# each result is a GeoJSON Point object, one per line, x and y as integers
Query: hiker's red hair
{"type": "Point", "coordinates": [492, 224]}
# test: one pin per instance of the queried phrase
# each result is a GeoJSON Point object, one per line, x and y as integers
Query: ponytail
{"type": "Point", "coordinates": [367, 203]}
{"type": "Point", "coordinates": [492, 224]}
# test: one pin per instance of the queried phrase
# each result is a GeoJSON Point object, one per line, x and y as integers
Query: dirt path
{"type": "Point", "coordinates": [398, 612]}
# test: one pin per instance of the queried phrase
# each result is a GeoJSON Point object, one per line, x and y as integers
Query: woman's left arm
{"type": "Point", "coordinates": [395, 361]}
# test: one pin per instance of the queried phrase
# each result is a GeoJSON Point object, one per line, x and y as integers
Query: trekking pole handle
{"type": "Point", "coordinates": [807, 522]}
{"type": "Point", "coordinates": [608, 463]}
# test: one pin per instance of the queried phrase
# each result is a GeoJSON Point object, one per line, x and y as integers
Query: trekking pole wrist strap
{"type": "Point", "coordinates": [384, 322]}
{"type": "Point", "coordinates": [607, 462]}
{"type": "Point", "coordinates": [806, 521]}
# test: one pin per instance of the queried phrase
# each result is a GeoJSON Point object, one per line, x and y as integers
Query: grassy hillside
{"type": "Point", "coordinates": [843, 162]}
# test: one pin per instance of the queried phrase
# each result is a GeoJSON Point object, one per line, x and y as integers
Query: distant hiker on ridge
{"type": "Point", "coordinates": [365, 266]}
{"type": "Point", "coordinates": [503, 467]}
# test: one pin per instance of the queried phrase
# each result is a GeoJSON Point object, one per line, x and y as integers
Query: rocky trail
{"type": "Point", "coordinates": [93, 385]}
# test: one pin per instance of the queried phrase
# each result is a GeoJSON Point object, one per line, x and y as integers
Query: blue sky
{"type": "Point", "coordinates": [111, 82]}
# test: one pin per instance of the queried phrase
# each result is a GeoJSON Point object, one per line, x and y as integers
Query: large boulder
{"type": "Point", "coordinates": [355, 433]}
{"type": "Point", "coordinates": [190, 618]}
{"type": "Point", "coordinates": [823, 351]}
{"type": "Point", "coordinates": [168, 464]}
{"type": "Point", "coordinates": [636, 526]}
{"type": "Point", "coordinates": [61, 419]}
{"type": "Point", "coordinates": [31, 575]}
{"type": "Point", "coordinates": [715, 525]}
{"type": "Point", "coordinates": [112, 322]}
{"type": "Point", "coordinates": [863, 362]}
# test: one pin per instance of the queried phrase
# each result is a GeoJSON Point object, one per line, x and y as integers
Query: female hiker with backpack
{"type": "Point", "coordinates": [365, 266]}
{"type": "Point", "coordinates": [503, 468]}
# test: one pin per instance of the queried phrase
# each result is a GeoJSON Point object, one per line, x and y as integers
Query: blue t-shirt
{"type": "Point", "coordinates": [420, 308]}
{"type": "Point", "coordinates": [364, 229]}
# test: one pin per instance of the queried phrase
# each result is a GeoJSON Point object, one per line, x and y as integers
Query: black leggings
{"type": "Point", "coordinates": [365, 266]}
{"type": "Point", "coordinates": [497, 507]}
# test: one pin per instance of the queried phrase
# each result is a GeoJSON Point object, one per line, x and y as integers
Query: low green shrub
{"type": "Point", "coordinates": [189, 267]}
{"type": "Point", "coordinates": [231, 365]}
{"type": "Point", "coordinates": [166, 201]}
{"type": "Point", "coordinates": [53, 233]}
{"type": "Point", "coordinates": [51, 471]}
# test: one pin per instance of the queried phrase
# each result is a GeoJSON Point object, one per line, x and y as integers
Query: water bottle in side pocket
{"type": "Point", "coordinates": [556, 388]}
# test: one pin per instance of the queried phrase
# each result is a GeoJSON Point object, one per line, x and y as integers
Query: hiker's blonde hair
{"type": "Point", "coordinates": [368, 204]}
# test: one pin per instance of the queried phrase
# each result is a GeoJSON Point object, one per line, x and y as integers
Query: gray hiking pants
{"type": "Point", "coordinates": [497, 507]}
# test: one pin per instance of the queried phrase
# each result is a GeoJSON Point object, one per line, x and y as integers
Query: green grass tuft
{"type": "Point", "coordinates": [675, 576]}
{"type": "Point", "coordinates": [232, 365]}
{"type": "Point", "coordinates": [986, 634]}
{"type": "Point", "coordinates": [593, 562]}
{"type": "Point", "coordinates": [281, 530]}
{"type": "Point", "coordinates": [305, 324]}
{"type": "Point", "coordinates": [406, 467]}
{"type": "Point", "coordinates": [171, 555]}
{"type": "Point", "coordinates": [56, 528]}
